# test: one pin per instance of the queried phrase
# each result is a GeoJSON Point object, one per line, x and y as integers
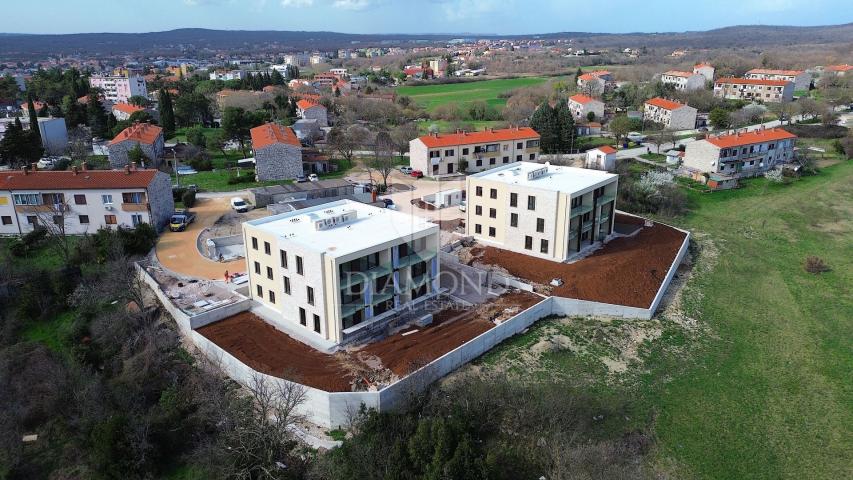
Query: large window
{"type": "Point", "coordinates": [80, 199]}
{"type": "Point", "coordinates": [267, 249]}
{"type": "Point", "coordinates": [110, 219]}
{"type": "Point", "coordinates": [493, 193]}
{"type": "Point", "coordinates": [26, 199]}
{"type": "Point", "coordinates": [254, 243]}
{"type": "Point", "coordinates": [257, 267]}
{"type": "Point", "coordinates": [493, 213]}
{"type": "Point", "coordinates": [106, 199]}
{"type": "Point", "coordinates": [136, 219]}
{"type": "Point", "coordinates": [52, 198]}
{"type": "Point", "coordinates": [543, 246]}
{"type": "Point", "coordinates": [260, 291]}
{"type": "Point", "coordinates": [272, 296]}
{"type": "Point", "coordinates": [133, 197]}
{"type": "Point", "coordinates": [287, 285]}
{"type": "Point", "coordinates": [478, 210]}
{"type": "Point", "coordinates": [7, 220]}
{"type": "Point", "coordinates": [478, 228]}
{"type": "Point", "coordinates": [478, 191]}
{"type": "Point", "coordinates": [303, 319]}
{"type": "Point", "coordinates": [269, 273]}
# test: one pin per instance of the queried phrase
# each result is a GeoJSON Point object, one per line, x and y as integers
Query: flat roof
{"type": "Point", "coordinates": [550, 177]}
{"type": "Point", "coordinates": [367, 227]}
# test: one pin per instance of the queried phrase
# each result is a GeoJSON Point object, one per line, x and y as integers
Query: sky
{"type": "Point", "coordinates": [502, 17]}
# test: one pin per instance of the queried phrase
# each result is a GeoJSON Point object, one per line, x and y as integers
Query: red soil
{"type": "Point", "coordinates": [422, 204]}
{"type": "Point", "coordinates": [625, 271]}
{"type": "Point", "coordinates": [451, 328]}
{"type": "Point", "coordinates": [265, 349]}
{"type": "Point", "coordinates": [450, 225]}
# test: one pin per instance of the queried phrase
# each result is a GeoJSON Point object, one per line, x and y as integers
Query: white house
{"type": "Point", "coordinates": [683, 80]}
{"type": "Point", "coordinates": [704, 69]}
{"type": "Point", "coordinates": [671, 115]}
{"type": "Point", "coordinates": [601, 158]}
{"type": "Point", "coordinates": [582, 105]}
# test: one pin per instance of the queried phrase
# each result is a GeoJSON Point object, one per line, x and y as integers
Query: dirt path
{"type": "Point", "coordinates": [178, 252]}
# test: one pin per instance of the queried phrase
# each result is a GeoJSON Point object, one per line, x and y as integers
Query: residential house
{"type": "Point", "coordinates": [753, 89]}
{"type": "Point", "coordinates": [582, 105]}
{"type": "Point", "coordinates": [450, 153]}
{"type": "Point", "coordinates": [278, 152]}
{"type": "Point", "coordinates": [601, 158]}
{"type": "Point", "coordinates": [310, 110]}
{"type": "Point", "coordinates": [802, 80]}
{"type": "Point", "coordinates": [335, 271]}
{"type": "Point", "coordinates": [545, 211]}
{"type": "Point", "coordinates": [596, 82]}
{"type": "Point", "coordinates": [82, 200]}
{"type": "Point", "coordinates": [706, 70]}
{"type": "Point", "coordinates": [123, 111]}
{"type": "Point", "coordinates": [670, 114]}
{"type": "Point", "coordinates": [839, 70]}
{"type": "Point", "coordinates": [307, 130]}
{"type": "Point", "coordinates": [148, 137]}
{"type": "Point", "coordinates": [683, 81]}
{"type": "Point", "coordinates": [119, 89]}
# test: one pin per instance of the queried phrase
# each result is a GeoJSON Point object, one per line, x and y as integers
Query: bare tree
{"type": "Point", "coordinates": [383, 159]}
{"type": "Point", "coordinates": [662, 137]}
{"type": "Point", "coordinates": [402, 134]}
{"type": "Point", "coordinates": [346, 140]}
{"type": "Point", "coordinates": [120, 280]}
{"type": "Point", "coordinates": [53, 218]}
{"type": "Point", "coordinates": [79, 143]}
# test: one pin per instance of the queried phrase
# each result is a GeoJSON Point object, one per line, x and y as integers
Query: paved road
{"type": "Point", "coordinates": [178, 252]}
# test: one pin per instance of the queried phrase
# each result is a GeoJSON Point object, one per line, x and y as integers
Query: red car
{"type": "Point", "coordinates": [417, 174]}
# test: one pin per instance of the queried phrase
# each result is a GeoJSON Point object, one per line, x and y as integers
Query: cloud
{"type": "Point", "coordinates": [456, 10]}
{"type": "Point", "coordinates": [297, 3]}
{"type": "Point", "coordinates": [351, 4]}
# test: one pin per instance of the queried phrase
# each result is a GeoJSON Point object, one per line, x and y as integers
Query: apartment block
{"type": "Point", "coordinates": [725, 158]}
{"type": "Point", "coordinates": [683, 80]}
{"type": "Point", "coordinates": [776, 91]}
{"type": "Point", "coordinates": [335, 269]}
{"type": "Point", "coordinates": [118, 89]}
{"type": "Point", "coordinates": [542, 210]}
{"type": "Point", "coordinates": [82, 201]}
{"type": "Point", "coordinates": [671, 115]}
{"type": "Point", "coordinates": [443, 154]}
{"type": "Point", "coordinates": [582, 105]}
{"type": "Point", "coordinates": [801, 78]}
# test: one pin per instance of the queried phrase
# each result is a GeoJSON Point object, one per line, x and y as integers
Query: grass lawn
{"type": "Point", "coordinates": [445, 126]}
{"type": "Point", "coordinates": [52, 333]}
{"type": "Point", "coordinates": [759, 386]}
{"type": "Point", "coordinates": [431, 96]}
{"type": "Point", "coordinates": [655, 157]}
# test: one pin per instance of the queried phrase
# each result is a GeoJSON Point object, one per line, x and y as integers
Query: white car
{"type": "Point", "coordinates": [463, 205]}
{"type": "Point", "coordinates": [406, 170]}
{"type": "Point", "coordinates": [313, 177]}
{"type": "Point", "coordinates": [239, 205]}
{"type": "Point", "coordinates": [636, 137]}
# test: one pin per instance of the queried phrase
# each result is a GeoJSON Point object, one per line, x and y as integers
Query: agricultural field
{"type": "Point", "coordinates": [745, 374]}
{"type": "Point", "coordinates": [431, 96]}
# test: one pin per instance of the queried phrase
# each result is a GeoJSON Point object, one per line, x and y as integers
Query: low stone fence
{"type": "Point", "coordinates": [473, 272]}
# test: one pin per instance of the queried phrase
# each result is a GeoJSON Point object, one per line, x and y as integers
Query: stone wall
{"type": "Point", "coordinates": [119, 153]}
{"type": "Point", "coordinates": [160, 200]}
{"type": "Point", "coordinates": [278, 162]}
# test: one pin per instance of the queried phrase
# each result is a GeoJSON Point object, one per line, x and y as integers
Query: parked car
{"type": "Point", "coordinates": [463, 205]}
{"type": "Point", "coordinates": [180, 220]}
{"type": "Point", "coordinates": [417, 174]}
{"type": "Point", "coordinates": [313, 177]}
{"type": "Point", "coordinates": [186, 170]}
{"type": "Point", "coordinates": [406, 170]}
{"type": "Point", "coordinates": [636, 137]}
{"type": "Point", "coordinates": [301, 179]}
{"type": "Point", "coordinates": [389, 203]}
{"type": "Point", "coordinates": [239, 205]}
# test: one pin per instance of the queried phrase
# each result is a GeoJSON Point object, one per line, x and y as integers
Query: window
{"type": "Point", "coordinates": [528, 242]}
{"type": "Point", "coordinates": [269, 273]}
{"type": "Point", "coordinates": [32, 220]}
{"type": "Point", "coordinates": [513, 199]}
{"type": "Point", "coordinates": [464, 151]}
{"type": "Point", "coordinates": [254, 243]}
{"type": "Point", "coordinates": [52, 198]}
{"type": "Point", "coordinates": [80, 199]}
{"type": "Point", "coordinates": [478, 210]}
{"type": "Point", "coordinates": [577, 202]}
{"type": "Point", "coordinates": [518, 158]}
{"type": "Point", "coordinates": [479, 162]}
{"type": "Point", "coordinates": [532, 143]}
{"type": "Point", "coordinates": [493, 193]}
{"type": "Point", "coordinates": [491, 231]}
{"type": "Point", "coordinates": [7, 220]}
{"type": "Point", "coordinates": [302, 319]}
{"type": "Point", "coordinates": [310, 292]}
{"type": "Point", "coordinates": [533, 156]}
{"type": "Point", "coordinates": [519, 145]}
{"type": "Point", "coordinates": [58, 220]}
{"type": "Point", "coordinates": [543, 246]}
{"type": "Point", "coordinates": [478, 191]}
{"type": "Point", "coordinates": [505, 147]}
{"type": "Point", "coordinates": [513, 219]}
{"type": "Point", "coordinates": [136, 219]}
{"type": "Point", "coordinates": [493, 213]}
{"type": "Point", "coordinates": [110, 219]}
{"type": "Point", "coordinates": [434, 154]}
{"type": "Point", "coordinates": [540, 225]}
{"type": "Point", "coordinates": [449, 153]}
{"type": "Point", "coordinates": [287, 285]}
{"type": "Point", "coordinates": [316, 323]}
{"type": "Point", "coordinates": [506, 159]}
{"type": "Point", "coordinates": [531, 202]}
{"type": "Point", "coordinates": [133, 197]}
{"type": "Point", "coordinates": [271, 296]}
{"type": "Point", "coordinates": [299, 265]}
{"type": "Point", "coordinates": [491, 161]}
{"type": "Point", "coordinates": [283, 256]}
{"type": "Point", "coordinates": [478, 228]}
{"type": "Point", "coordinates": [106, 199]}
{"type": "Point", "coordinates": [26, 199]}
{"type": "Point", "coordinates": [260, 291]}
{"type": "Point", "coordinates": [257, 267]}
{"type": "Point", "coordinates": [267, 248]}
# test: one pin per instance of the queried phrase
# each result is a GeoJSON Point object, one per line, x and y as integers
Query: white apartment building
{"type": "Point", "coordinates": [82, 201]}
{"type": "Point", "coordinates": [742, 154]}
{"type": "Point", "coordinates": [801, 78]}
{"type": "Point", "coordinates": [683, 80]}
{"type": "Point", "coordinates": [541, 210]}
{"type": "Point", "coordinates": [752, 89]}
{"type": "Point", "coordinates": [296, 59]}
{"type": "Point", "coordinates": [706, 70]}
{"type": "Point", "coordinates": [671, 115]}
{"type": "Point", "coordinates": [118, 89]}
{"type": "Point", "coordinates": [338, 71]}
{"type": "Point", "coordinates": [581, 106]}
{"type": "Point", "coordinates": [443, 154]}
{"type": "Point", "coordinates": [226, 75]}
{"type": "Point", "coordinates": [339, 268]}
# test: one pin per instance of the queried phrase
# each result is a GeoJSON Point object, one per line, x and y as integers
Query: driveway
{"type": "Point", "coordinates": [178, 252]}
{"type": "Point", "coordinates": [419, 188]}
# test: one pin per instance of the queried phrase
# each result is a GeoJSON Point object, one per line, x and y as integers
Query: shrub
{"type": "Point", "coordinates": [816, 265]}
{"type": "Point", "coordinates": [188, 198]}
{"type": "Point", "coordinates": [139, 240]}
{"type": "Point", "coordinates": [178, 193]}
{"type": "Point", "coordinates": [35, 238]}
{"type": "Point", "coordinates": [201, 163]}
{"type": "Point", "coordinates": [775, 175]}
{"type": "Point", "coordinates": [241, 179]}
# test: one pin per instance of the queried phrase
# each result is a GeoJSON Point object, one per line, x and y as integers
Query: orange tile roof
{"type": "Point", "coordinates": [747, 138]}
{"type": "Point", "coordinates": [664, 103]}
{"type": "Point", "coordinates": [752, 81]}
{"type": "Point", "coordinates": [581, 98]}
{"type": "Point", "coordinates": [272, 133]}
{"type": "Point", "coordinates": [678, 73]}
{"type": "Point", "coordinates": [594, 125]}
{"type": "Point", "coordinates": [306, 104]}
{"type": "Point", "coordinates": [606, 149]}
{"type": "Point", "coordinates": [587, 76]}
{"type": "Point", "coordinates": [127, 108]}
{"type": "Point", "coordinates": [770, 71]}
{"type": "Point", "coordinates": [140, 132]}
{"type": "Point", "coordinates": [839, 68]}
{"type": "Point", "coordinates": [700, 65]}
{"type": "Point", "coordinates": [484, 136]}
{"type": "Point", "coordinates": [84, 179]}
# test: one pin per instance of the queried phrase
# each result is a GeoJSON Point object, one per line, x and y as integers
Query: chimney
{"type": "Point", "coordinates": [84, 166]}
{"type": "Point", "coordinates": [133, 166]}
{"type": "Point", "coordinates": [127, 169]}
{"type": "Point", "coordinates": [74, 170]}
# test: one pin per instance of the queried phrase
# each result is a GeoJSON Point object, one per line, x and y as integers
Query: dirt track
{"type": "Point", "coordinates": [626, 271]}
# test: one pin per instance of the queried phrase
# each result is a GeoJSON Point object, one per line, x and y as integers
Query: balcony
{"type": "Point", "coordinates": [134, 207]}
{"type": "Point", "coordinates": [418, 281]}
{"type": "Point", "coordinates": [348, 279]}
{"type": "Point", "coordinates": [34, 208]}
{"type": "Point", "coordinates": [381, 297]}
{"type": "Point", "coordinates": [348, 309]}
{"type": "Point", "coordinates": [580, 210]}
{"type": "Point", "coordinates": [586, 226]}
{"type": "Point", "coordinates": [604, 218]}
{"type": "Point", "coordinates": [605, 199]}
{"type": "Point", "coordinates": [414, 258]}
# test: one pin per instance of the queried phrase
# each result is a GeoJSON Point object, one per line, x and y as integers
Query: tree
{"type": "Point", "coordinates": [136, 154]}
{"type": "Point", "coordinates": [566, 127]}
{"type": "Point", "coordinates": [619, 127]}
{"type": "Point", "coordinates": [277, 78]}
{"type": "Point", "coordinates": [79, 144]}
{"type": "Point", "coordinates": [828, 116]}
{"type": "Point", "coordinates": [236, 123]}
{"type": "Point", "coordinates": [53, 218]}
{"type": "Point", "coordinates": [590, 117]}
{"type": "Point", "coordinates": [195, 136]}
{"type": "Point", "coordinates": [720, 119]}
{"type": "Point", "coordinates": [20, 147]}
{"type": "Point", "coordinates": [167, 113]}
{"type": "Point", "coordinates": [34, 122]}
{"type": "Point", "coordinates": [544, 121]}
{"type": "Point", "coordinates": [345, 140]}
{"type": "Point", "coordinates": [96, 117]}
{"type": "Point", "coordinates": [402, 134]}
{"type": "Point", "coordinates": [74, 113]}
{"type": "Point", "coordinates": [192, 108]}
{"type": "Point", "coordinates": [383, 157]}
{"type": "Point", "coordinates": [662, 137]}
{"type": "Point", "coordinates": [139, 101]}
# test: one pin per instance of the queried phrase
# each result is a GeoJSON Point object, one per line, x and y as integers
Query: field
{"type": "Point", "coordinates": [431, 96]}
{"type": "Point", "coordinates": [748, 374]}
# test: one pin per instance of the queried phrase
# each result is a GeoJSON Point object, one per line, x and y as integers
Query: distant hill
{"type": "Point", "coordinates": [195, 39]}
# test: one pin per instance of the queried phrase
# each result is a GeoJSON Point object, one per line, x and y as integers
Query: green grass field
{"type": "Point", "coordinates": [760, 386]}
{"type": "Point", "coordinates": [431, 96]}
